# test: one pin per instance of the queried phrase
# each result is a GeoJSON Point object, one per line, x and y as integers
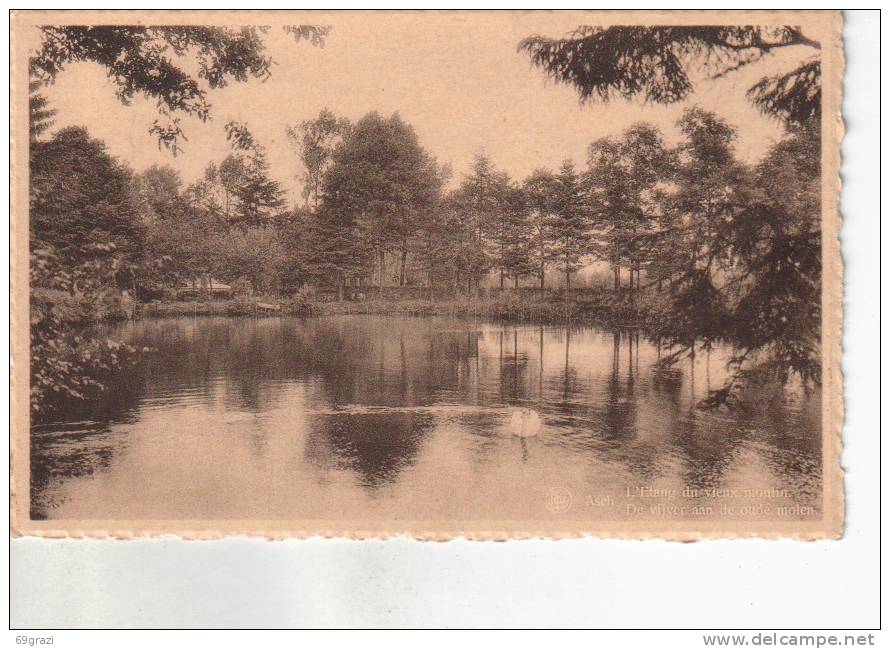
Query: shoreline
{"type": "Point", "coordinates": [622, 312]}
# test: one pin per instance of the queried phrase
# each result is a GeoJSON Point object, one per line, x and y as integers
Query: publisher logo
{"type": "Point", "coordinates": [558, 499]}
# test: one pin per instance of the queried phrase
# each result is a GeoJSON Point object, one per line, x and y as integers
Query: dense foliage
{"type": "Point", "coordinates": [85, 241]}
{"type": "Point", "coordinates": [93, 244]}
{"type": "Point", "coordinates": [703, 249]}
{"type": "Point", "coordinates": [734, 252]}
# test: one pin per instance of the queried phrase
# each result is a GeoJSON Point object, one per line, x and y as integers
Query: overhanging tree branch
{"type": "Point", "coordinates": [654, 62]}
{"type": "Point", "coordinates": [148, 60]}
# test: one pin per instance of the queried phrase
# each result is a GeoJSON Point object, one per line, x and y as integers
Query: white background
{"type": "Point", "coordinates": [583, 583]}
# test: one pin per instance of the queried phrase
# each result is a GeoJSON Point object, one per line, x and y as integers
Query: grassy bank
{"type": "Point", "coordinates": [174, 309]}
{"type": "Point", "coordinates": [604, 308]}
{"type": "Point", "coordinates": [610, 312]}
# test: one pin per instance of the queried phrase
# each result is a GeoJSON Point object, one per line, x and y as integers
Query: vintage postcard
{"type": "Point", "coordinates": [490, 275]}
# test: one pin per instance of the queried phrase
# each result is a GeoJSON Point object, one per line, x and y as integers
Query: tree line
{"type": "Point", "coordinates": [721, 249]}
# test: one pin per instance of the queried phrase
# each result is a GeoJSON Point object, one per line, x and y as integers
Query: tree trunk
{"type": "Point", "coordinates": [402, 267]}
{"type": "Point", "coordinates": [568, 282]}
{"type": "Point", "coordinates": [381, 267]}
{"type": "Point", "coordinates": [617, 271]}
{"type": "Point", "coordinates": [502, 279]}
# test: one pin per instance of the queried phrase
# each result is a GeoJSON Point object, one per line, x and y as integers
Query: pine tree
{"type": "Point", "coordinates": [570, 224]}
{"type": "Point", "coordinates": [540, 190]}
{"type": "Point", "coordinates": [39, 114]}
{"type": "Point", "coordinates": [514, 238]}
{"type": "Point", "coordinates": [624, 174]}
{"type": "Point", "coordinates": [249, 197]}
{"type": "Point", "coordinates": [258, 197]}
{"type": "Point", "coordinates": [333, 251]}
{"type": "Point", "coordinates": [461, 258]}
{"type": "Point", "coordinates": [497, 215]}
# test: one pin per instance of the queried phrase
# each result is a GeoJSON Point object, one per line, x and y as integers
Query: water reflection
{"type": "Point", "coordinates": [390, 418]}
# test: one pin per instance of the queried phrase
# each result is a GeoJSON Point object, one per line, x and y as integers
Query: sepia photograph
{"type": "Point", "coordinates": [491, 275]}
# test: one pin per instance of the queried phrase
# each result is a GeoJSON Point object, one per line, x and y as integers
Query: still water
{"type": "Point", "coordinates": [387, 419]}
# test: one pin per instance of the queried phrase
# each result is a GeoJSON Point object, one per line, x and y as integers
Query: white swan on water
{"type": "Point", "coordinates": [525, 422]}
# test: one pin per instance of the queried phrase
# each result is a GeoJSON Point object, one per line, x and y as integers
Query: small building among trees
{"type": "Point", "coordinates": [202, 287]}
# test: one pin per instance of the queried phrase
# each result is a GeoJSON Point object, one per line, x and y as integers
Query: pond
{"type": "Point", "coordinates": [394, 418]}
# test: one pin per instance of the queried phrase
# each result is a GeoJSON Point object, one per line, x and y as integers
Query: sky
{"type": "Point", "coordinates": [458, 79]}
